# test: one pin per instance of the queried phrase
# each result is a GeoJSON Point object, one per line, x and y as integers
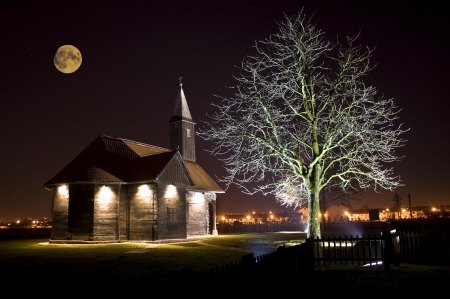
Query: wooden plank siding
{"type": "Point", "coordinates": [81, 211]}
{"type": "Point", "coordinates": [174, 173]}
{"type": "Point", "coordinates": [140, 217]}
{"type": "Point", "coordinates": [171, 212]}
{"type": "Point", "coordinates": [105, 223]}
{"type": "Point", "coordinates": [60, 207]}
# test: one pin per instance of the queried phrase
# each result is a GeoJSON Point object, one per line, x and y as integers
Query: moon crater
{"type": "Point", "coordinates": [67, 59]}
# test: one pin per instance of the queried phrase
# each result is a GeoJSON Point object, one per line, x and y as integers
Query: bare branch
{"type": "Point", "coordinates": [303, 117]}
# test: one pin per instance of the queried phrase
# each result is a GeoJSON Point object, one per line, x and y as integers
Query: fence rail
{"type": "Point", "coordinates": [349, 250]}
{"type": "Point", "coordinates": [294, 261]}
{"type": "Point", "coordinates": [287, 262]}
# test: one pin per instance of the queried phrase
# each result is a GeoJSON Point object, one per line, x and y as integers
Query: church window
{"type": "Point", "coordinates": [171, 216]}
{"type": "Point", "coordinates": [188, 133]}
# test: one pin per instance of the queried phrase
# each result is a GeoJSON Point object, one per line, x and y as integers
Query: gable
{"type": "Point", "coordinates": [166, 166]}
{"type": "Point", "coordinates": [176, 173]}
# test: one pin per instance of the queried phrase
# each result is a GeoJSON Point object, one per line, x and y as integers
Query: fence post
{"type": "Point", "coordinates": [388, 249]}
{"type": "Point", "coordinates": [248, 261]}
{"type": "Point", "coordinates": [279, 263]}
{"type": "Point", "coordinates": [308, 258]}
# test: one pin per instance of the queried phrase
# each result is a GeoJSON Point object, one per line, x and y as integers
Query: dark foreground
{"type": "Point", "coordinates": [354, 281]}
{"type": "Point", "coordinates": [110, 271]}
{"type": "Point", "coordinates": [403, 280]}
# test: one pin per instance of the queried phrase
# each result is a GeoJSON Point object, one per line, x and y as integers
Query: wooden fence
{"type": "Point", "coordinates": [365, 250]}
{"type": "Point", "coordinates": [430, 244]}
{"type": "Point", "coordinates": [295, 261]}
{"type": "Point", "coordinates": [288, 264]}
{"type": "Point", "coordinates": [349, 226]}
{"type": "Point", "coordinates": [280, 266]}
{"type": "Point", "coordinates": [414, 243]}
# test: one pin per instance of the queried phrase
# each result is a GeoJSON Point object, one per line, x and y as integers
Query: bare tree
{"type": "Point", "coordinates": [302, 111]}
{"type": "Point", "coordinates": [290, 192]}
{"type": "Point", "coordinates": [334, 195]}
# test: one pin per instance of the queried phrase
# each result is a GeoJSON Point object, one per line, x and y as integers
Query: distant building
{"type": "Point", "coordinates": [337, 214]}
{"type": "Point", "coordinates": [261, 218]}
{"type": "Point", "coordinates": [118, 189]}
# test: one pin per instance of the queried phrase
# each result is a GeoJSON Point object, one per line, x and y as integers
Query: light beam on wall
{"type": "Point", "coordinates": [170, 191]}
{"type": "Point", "coordinates": [105, 195]}
{"type": "Point", "coordinates": [144, 191]}
{"type": "Point", "coordinates": [63, 191]}
{"type": "Point", "coordinates": [198, 198]}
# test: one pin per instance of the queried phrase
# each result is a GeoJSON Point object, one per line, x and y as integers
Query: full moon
{"type": "Point", "coordinates": [67, 59]}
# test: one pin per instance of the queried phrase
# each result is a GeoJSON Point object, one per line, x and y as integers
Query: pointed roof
{"type": "Point", "coordinates": [117, 160]}
{"type": "Point", "coordinates": [203, 182]}
{"type": "Point", "coordinates": [181, 109]}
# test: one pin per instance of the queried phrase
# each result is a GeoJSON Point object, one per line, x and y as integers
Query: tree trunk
{"type": "Point", "coordinates": [314, 204]}
{"type": "Point", "coordinates": [313, 214]}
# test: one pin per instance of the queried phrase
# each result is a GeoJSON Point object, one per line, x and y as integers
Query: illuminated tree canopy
{"type": "Point", "coordinates": [302, 116]}
{"type": "Point", "coordinates": [288, 193]}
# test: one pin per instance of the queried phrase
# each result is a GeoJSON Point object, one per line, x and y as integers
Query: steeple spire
{"type": "Point", "coordinates": [182, 131]}
{"type": "Point", "coordinates": [181, 109]}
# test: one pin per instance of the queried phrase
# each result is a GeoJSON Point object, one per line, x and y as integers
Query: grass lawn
{"type": "Point", "coordinates": [137, 263]}
{"type": "Point", "coordinates": [140, 268]}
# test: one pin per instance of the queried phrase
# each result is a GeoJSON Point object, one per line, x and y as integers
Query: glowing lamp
{"type": "Point", "coordinates": [105, 195]}
{"type": "Point", "coordinates": [144, 191]}
{"type": "Point", "coordinates": [170, 191]}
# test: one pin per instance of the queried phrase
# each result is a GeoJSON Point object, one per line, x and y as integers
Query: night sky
{"type": "Point", "coordinates": [135, 51]}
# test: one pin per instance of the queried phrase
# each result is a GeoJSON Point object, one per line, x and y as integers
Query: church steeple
{"type": "Point", "coordinates": [182, 131]}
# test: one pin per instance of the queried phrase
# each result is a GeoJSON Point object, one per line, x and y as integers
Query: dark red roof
{"type": "Point", "coordinates": [117, 160]}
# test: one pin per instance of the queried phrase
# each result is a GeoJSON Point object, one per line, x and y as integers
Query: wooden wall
{"type": "Point", "coordinates": [171, 211]}
{"type": "Point", "coordinates": [198, 213]}
{"type": "Point", "coordinates": [60, 208]}
{"type": "Point", "coordinates": [81, 211]}
{"type": "Point", "coordinates": [139, 213]}
{"type": "Point", "coordinates": [179, 138]}
{"type": "Point", "coordinates": [146, 212]}
{"type": "Point", "coordinates": [105, 226]}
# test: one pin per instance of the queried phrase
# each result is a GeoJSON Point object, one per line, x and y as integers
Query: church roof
{"type": "Point", "coordinates": [203, 182]}
{"type": "Point", "coordinates": [116, 160]}
{"type": "Point", "coordinates": [181, 109]}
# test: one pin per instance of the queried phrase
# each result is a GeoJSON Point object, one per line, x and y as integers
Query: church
{"type": "Point", "coordinates": [120, 190]}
